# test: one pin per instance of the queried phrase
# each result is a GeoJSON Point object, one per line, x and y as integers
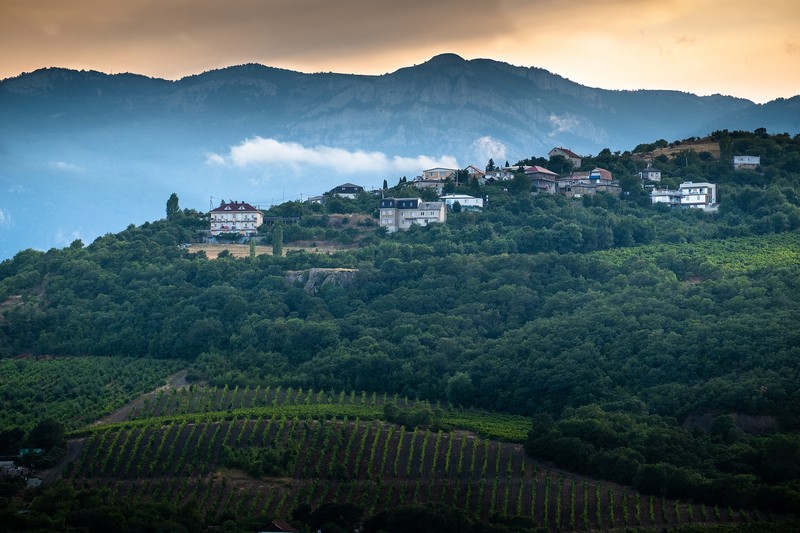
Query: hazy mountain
{"type": "Point", "coordinates": [84, 153]}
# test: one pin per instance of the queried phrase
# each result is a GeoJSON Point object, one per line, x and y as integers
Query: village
{"type": "Point", "coordinates": [398, 214]}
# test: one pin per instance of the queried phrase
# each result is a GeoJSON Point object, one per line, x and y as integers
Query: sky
{"type": "Point", "coordinates": [740, 48]}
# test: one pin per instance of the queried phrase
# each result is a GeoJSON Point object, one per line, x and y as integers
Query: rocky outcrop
{"type": "Point", "coordinates": [314, 279]}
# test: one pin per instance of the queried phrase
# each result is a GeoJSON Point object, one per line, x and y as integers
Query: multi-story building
{"type": "Point", "coordinates": [236, 217]}
{"type": "Point", "coordinates": [401, 213]}
{"type": "Point", "coordinates": [702, 195]}
{"type": "Point", "coordinates": [650, 174]}
{"type": "Point", "coordinates": [567, 153]}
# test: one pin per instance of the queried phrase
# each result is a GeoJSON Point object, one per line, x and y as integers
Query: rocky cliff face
{"type": "Point", "coordinates": [313, 280]}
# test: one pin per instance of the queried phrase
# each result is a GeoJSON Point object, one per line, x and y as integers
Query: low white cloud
{"type": "Point", "coordinates": [5, 219]}
{"type": "Point", "coordinates": [563, 124]}
{"type": "Point", "coordinates": [486, 148]}
{"type": "Point", "coordinates": [271, 152]}
{"type": "Point", "coordinates": [214, 159]}
{"type": "Point", "coordinates": [65, 239]}
{"type": "Point", "coordinates": [66, 167]}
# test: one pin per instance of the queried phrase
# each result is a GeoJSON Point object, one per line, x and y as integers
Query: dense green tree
{"type": "Point", "coordinates": [172, 205]}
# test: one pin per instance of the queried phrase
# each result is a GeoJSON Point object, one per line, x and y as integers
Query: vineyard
{"type": "Point", "coordinates": [74, 390]}
{"type": "Point", "coordinates": [243, 452]}
{"type": "Point", "coordinates": [734, 255]}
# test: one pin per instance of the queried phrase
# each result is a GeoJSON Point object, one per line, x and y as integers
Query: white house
{"type": "Point", "coordinates": [665, 196]}
{"type": "Point", "coordinates": [474, 173]}
{"type": "Point", "coordinates": [467, 202]}
{"type": "Point", "coordinates": [748, 162]}
{"type": "Point", "coordinates": [702, 195]}
{"type": "Point", "coordinates": [499, 175]}
{"type": "Point", "coordinates": [401, 213]}
{"type": "Point", "coordinates": [235, 217]}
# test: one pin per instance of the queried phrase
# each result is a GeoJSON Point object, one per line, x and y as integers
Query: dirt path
{"type": "Point", "coordinates": [75, 446]}
{"type": "Point", "coordinates": [175, 381]}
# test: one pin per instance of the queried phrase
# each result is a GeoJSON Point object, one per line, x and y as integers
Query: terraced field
{"type": "Point", "coordinates": [240, 452]}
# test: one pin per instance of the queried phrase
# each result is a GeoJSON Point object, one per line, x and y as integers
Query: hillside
{"type": "Point", "coordinates": [599, 345]}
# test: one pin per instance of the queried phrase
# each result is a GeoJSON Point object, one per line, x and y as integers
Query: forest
{"type": "Point", "coordinates": [653, 348]}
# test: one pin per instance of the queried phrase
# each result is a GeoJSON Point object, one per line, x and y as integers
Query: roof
{"type": "Point", "coordinates": [602, 173]}
{"type": "Point", "coordinates": [349, 186]}
{"type": "Point", "coordinates": [475, 170]}
{"type": "Point", "coordinates": [539, 170]}
{"type": "Point", "coordinates": [566, 151]}
{"type": "Point", "coordinates": [240, 207]}
{"type": "Point", "coordinates": [457, 197]}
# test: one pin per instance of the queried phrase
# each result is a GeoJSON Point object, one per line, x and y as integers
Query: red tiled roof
{"type": "Point", "coordinates": [539, 170]}
{"type": "Point", "coordinates": [566, 151]}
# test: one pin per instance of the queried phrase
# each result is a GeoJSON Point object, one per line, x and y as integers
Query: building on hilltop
{"type": "Point", "coordinates": [567, 153]}
{"type": "Point", "coordinates": [235, 217]}
{"type": "Point", "coordinates": [347, 190]}
{"type": "Point", "coordinates": [439, 173]}
{"type": "Point", "coordinates": [401, 213]}
{"type": "Point", "coordinates": [702, 195]}
{"type": "Point", "coordinates": [746, 162]}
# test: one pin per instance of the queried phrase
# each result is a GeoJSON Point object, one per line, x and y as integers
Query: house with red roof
{"type": "Point", "coordinates": [235, 217]}
{"type": "Point", "coordinates": [542, 179]}
{"type": "Point", "coordinates": [567, 153]}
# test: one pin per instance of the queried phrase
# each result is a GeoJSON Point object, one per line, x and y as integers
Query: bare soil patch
{"type": "Point", "coordinates": [702, 145]}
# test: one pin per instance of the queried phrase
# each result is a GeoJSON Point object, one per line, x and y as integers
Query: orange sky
{"type": "Point", "coordinates": [734, 47]}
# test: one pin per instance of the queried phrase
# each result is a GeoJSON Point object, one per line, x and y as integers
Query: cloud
{"type": "Point", "coordinates": [5, 218]}
{"type": "Point", "coordinates": [16, 189]}
{"type": "Point", "coordinates": [259, 151]}
{"type": "Point", "coordinates": [63, 239]}
{"type": "Point", "coordinates": [486, 147]}
{"type": "Point", "coordinates": [66, 167]}
{"type": "Point", "coordinates": [563, 124]}
{"type": "Point", "coordinates": [214, 159]}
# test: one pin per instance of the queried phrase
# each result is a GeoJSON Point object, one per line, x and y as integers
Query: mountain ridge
{"type": "Point", "coordinates": [68, 135]}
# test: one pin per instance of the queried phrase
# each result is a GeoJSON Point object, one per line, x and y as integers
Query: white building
{"type": "Point", "coordinates": [749, 162]}
{"type": "Point", "coordinates": [702, 195]}
{"type": "Point", "coordinates": [467, 202]}
{"type": "Point", "coordinates": [401, 213]}
{"type": "Point", "coordinates": [236, 217]}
